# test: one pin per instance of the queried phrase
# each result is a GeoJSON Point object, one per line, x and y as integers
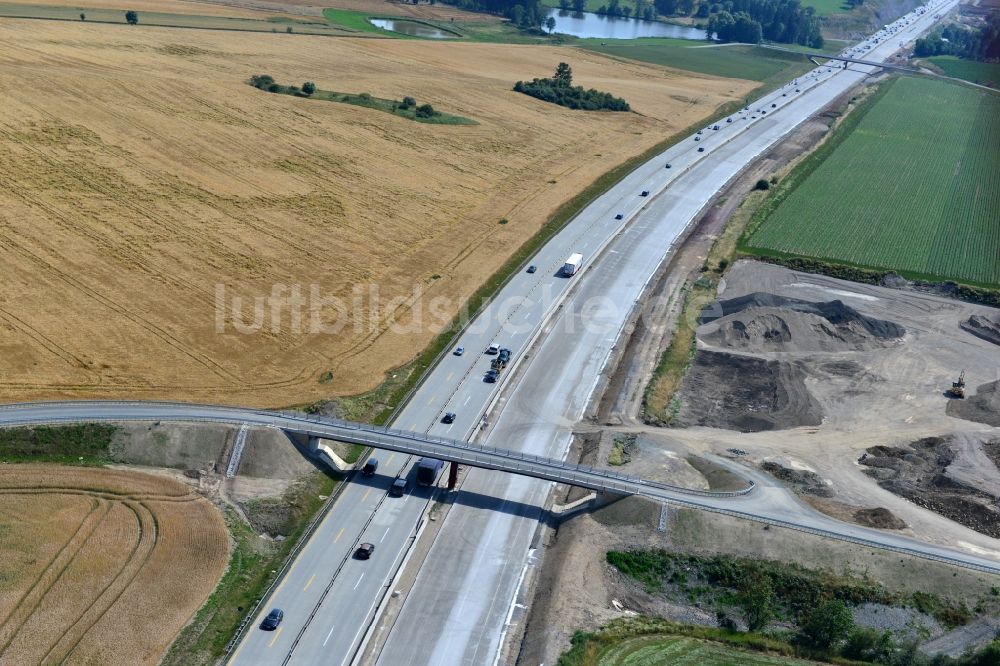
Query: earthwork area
{"type": "Point", "coordinates": [101, 566]}
{"type": "Point", "coordinates": [148, 187]}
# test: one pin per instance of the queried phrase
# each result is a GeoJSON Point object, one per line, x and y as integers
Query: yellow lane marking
{"type": "Point", "coordinates": [366, 495]}
{"type": "Point", "coordinates": [339, 534]}
{"type": "Point", "coordinates": [309, 583]}
{"type": "Point", "coordinates": [390, 458]}
{"type": "Point", "coordinates": [276, 634]}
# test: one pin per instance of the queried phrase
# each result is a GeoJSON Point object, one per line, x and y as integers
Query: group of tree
{"type": "Point", "coordinates": [752, 21]}
{"type": "Point", "coordinates": [576, 5]}
{"type": "Point", "coordinates": [981, 43]}
{"type": "Point", "coordinates": [525, 14]}
{"type": "Point", "coordinates": [643, 9]}
{"type": "Point", "coordinates": [560, 90]}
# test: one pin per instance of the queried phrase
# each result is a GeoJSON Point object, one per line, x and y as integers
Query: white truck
{"type": "Point", "coordinates": [572, 264]}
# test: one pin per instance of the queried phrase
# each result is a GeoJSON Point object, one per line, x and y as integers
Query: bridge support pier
{"type": "Point", "coordinates": [594, 500]}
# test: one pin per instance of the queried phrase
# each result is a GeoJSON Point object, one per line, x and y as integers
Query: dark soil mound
{"type": "Point", "coordinates": [918, 473]}
{"type": "Point", "coordinates": [746, 394]}
{"type": "Point", "coordinates": [762, 321]}
{"type": "Point", "coordinates": [983, 407]}
{"type": "Point", "coordinates": [880, 518]}
{"type": "Point", "coordinates": [803, 481]}
{"type": "Point", "coordinates": [983, 327]}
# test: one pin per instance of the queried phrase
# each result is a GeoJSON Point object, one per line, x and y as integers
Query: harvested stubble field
{"type": "Point", "coordinates": [101, 566]}
{"type": "Point", "coordinates": [145, 173]}
{"type": "Point", "coordinates": [912, 188]}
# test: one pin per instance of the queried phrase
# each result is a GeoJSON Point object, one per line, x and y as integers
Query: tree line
{"type": "Point", "coordinates": [560, 90]}
{"type": "Point", "coordinates": [981, 43]}
{"type": "Point", "coordinates": [752, 21]}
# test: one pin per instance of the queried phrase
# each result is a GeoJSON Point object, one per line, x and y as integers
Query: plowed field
{"type": "Point", "coordinates": [142, 176]}
{"type": "Point", "coordinates": [101, 566]}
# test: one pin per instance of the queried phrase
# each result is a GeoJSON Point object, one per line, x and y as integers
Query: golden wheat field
{"type": "Point", "coordinates": [145, 184]}
{"type": "Point", "coordinates": [101, 566]}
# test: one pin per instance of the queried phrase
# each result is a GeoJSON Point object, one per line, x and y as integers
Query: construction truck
{"type": "Point", "coordinates": [957, 389]}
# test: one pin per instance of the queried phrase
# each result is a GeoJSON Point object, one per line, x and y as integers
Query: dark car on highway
{"type": "Point", "coordinates": [371, 466]}
{"type": "Point", "coordinates": [273, 619]}
{"type": "Point", "coordinates": [449, 417]}
{"type": "Point", "coordinates": [700, 149]}
{"type": "Point", "coordinates": [491, 377]}
{"type": "Point", "coordinates": [364, 551]}
{"type": "Point", "coordinates": [619, 216]}
{"type": "Point", "coordinates": [532, 268]}
{"type": "Point", "coordinates": [398, 488]}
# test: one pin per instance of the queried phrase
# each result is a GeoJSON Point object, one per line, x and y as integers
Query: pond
{"type": "Point", "coordinates": [412, 28]}
{"type": "Point", "coordinates": [587, 24]}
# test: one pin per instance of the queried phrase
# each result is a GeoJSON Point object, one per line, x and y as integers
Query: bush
{"type": "Point", "coordinates": [409, 102]}
{"type": "Point", "coordinates": [83, 17]}
{"type": "Point", "coordinates": [308, 88]}
{"type": "Point", "coordinates": [826, 625]}
{"type": "Point", "coordinates": [132, 17]}
{"type": "Point", "coordinates": [762, 185]}
{"type": "Point", "coordinates": [262, 81]}
{"type": "Point", "coordinates": [425, 111]}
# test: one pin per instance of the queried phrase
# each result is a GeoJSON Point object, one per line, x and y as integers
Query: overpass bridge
{"type": "Point", "coordinates": [762, 504]}
{"type": "Point", "coordinates": [816, 59]}
{"type": "Point", "coordinates": [378, 437]}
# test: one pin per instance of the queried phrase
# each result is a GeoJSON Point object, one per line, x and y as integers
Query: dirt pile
{"type": "Point", "coordinates": [983, 407]}
{"type": "Point", "coordinates": [767, 322]}
{"type": "Point", "coordinates": [983, 327]}
{"type": "Point", "coordinates": [746, 394]}
{"type": "Point", "coordinates": [880, 518]}
{"type": "Point", "coordinates": [920, 473]}
{"type": "Point", "coordinates": [801, 480]}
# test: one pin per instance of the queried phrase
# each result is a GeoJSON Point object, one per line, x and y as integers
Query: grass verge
{"type": "Point", "coordinates": [617, 641]}
{"type": "Point", "coordinates": [78, 444]}
{"type": "Point", "coordinates": [253, 565]}
{"type": "Point", "coordinates": [280, 24]}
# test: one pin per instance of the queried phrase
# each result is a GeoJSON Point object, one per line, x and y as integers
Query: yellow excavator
{"type": "Point", "coordinates": [957, 389]}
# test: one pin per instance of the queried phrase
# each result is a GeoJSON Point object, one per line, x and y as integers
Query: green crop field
{"type": "Point", "coordinates": [736, 61]}
{"type": "Point", "coordinates": [983, 73]}
{"type": "Point", "coordinates": [911, 186]}
{"type": "Point", "coordinates": [663, 650]}
{"type": "Point", "coordinates": [827, 7]}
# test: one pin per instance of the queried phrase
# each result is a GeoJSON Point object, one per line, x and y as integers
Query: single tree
{"type": "Point", "coordinates": [308, 88]}
{"type": "Point", "coordinates": [409, 102]}
{"type": "Point", "coordinates": [550, 24]}
{"type": "Point", "coordinates": [564, 75]}
{"type": "Point", "coordinates": [83, 17]}
{"type": "Point", "coordinates": [132, 17]}
{"type": "Point", "coordinates": [756, 598]}
{"type": "Point", "coordinates": [425, 111]}
{"type": "Point", "coordinates": [827, 624]}
{"type": "Point", "coordinates": [762, 184]}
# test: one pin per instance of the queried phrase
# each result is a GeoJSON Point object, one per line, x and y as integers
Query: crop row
{"type": "Point", "coordinates": [914, 188]}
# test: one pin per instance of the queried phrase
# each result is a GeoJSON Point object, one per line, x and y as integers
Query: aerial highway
{"type": "Point", "coordinates": [458, 608]}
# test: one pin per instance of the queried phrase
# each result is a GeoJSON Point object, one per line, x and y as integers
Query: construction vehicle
{"type": "Point", "coordinates": [957, 389]}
